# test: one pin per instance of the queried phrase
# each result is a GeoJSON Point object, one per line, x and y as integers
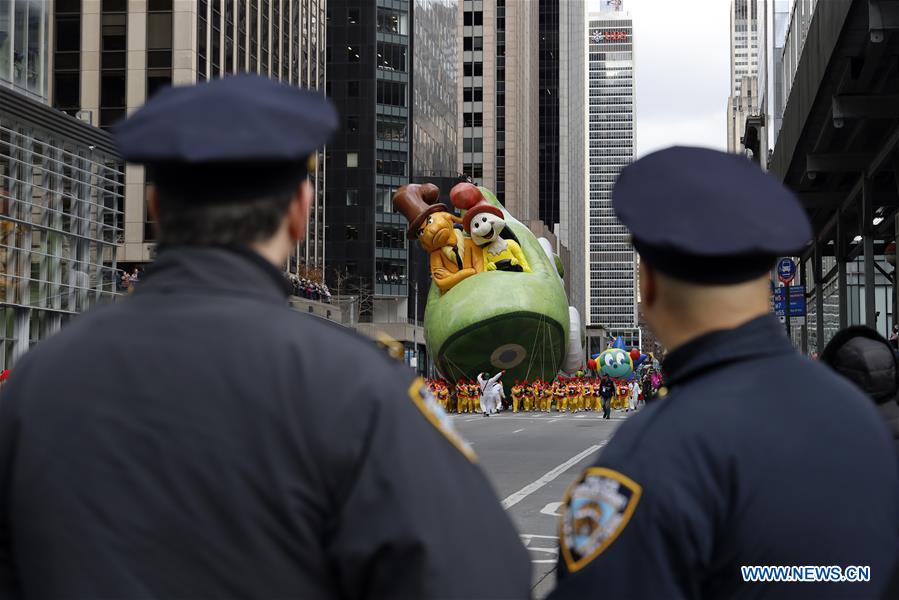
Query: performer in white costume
{"type": "Point", "coordinates": [491, 393]}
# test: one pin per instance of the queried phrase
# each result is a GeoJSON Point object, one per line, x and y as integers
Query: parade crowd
{"type": "Point", "coordinates": [565, 394]}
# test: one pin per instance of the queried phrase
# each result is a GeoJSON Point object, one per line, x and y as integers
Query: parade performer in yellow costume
{"type": "Point", "coordinates": [443, 396]}
{"type": "Point", "coordinates": [461, 397]}
{"type": "Point", "coordinates": [517, 391]}
{"type": "Point", "coordinates": [561, 396]}
{"type": "Point", "coordinates": [574, 399]}
{"type": "Point", "coordinates": [529, 401]}
{"type": "Point", "coordinates": [587, 392]}
{"type": "Point", "coordinates": [547, 398]}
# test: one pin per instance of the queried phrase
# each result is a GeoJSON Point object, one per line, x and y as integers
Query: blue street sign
{"type": "Point", "coordinates": [797, 301]}
{"type": "Point", "coordinates": [786, 270]}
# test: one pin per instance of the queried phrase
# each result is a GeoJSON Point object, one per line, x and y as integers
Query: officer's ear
{"type": "Point", "coordinates": [152, 198]}
{"type": "Point", "coordinates": [298, 212]}
{"type": "Point", "coordinates": [649, 288]}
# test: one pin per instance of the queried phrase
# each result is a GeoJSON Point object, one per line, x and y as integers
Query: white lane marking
{"type": "Point", "coordinates": [552, 551]}
{"type": "Point", "coordinates": [552, 509]}
{"type": "Point", "coordinates": [553, 420]}
{"type": "Point", "coordinates": [518, 430]}
{"type": "Point", "coordinates": [549, 476]}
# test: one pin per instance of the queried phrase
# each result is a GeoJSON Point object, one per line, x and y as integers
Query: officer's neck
{"type": "Point", "coordinates": [276, 249]}
{"type": "Point", "coordinates": [674, 333]}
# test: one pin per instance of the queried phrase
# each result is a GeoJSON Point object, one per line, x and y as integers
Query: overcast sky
{"type": "Point", "coordinates": [682, 52]}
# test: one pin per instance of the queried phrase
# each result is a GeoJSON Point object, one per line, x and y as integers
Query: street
{"type": "Point", "coordinates": [531, 458]}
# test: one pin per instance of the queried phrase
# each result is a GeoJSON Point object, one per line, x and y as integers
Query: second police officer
{"type": "Point", "coordinates": [756, 456]}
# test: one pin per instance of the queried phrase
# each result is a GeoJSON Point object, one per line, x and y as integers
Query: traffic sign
{"type": "Point", "coordinates": [786, 270]}
{"type": "Point", "coordinates": [797, 301]}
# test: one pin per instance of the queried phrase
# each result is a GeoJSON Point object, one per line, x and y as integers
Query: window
{"type": "Point", "coordinates": [351, 234]}
{"type": "Point", "coordinates": [391, 57]}
{"type": "Point", "coordinates": [159, 46]}
{"type": "Point", "coordinates": [352, 124]}
{"type": "Point", "coordinates": [352, 54]}
{"type": "Point", "coordinates": [473, 145]}
{"type": "Point", "coordinates": [113, 45]}
{"type": "Point", "coordinates": [392, 129]}
{"type": "Point", "coordinates": [392, 21]}
{"type": "Point", "coordinates": [352, 89]}
{"type": "Point", "coordinates": [473, 120]}
{"type": "Point", "coordinates": [473, 95]}
{"type": "Point", "coordinates": [352, 160]}
{"type": "Point", "coordinates": [473, 69]}
{"type": "Point", "coordinates": [391, 93]}
{"type": "Point", "coordinates": [352, 197]}
{"type": "Point", "coordinates": [353, 16]}
{"type": "Point", "coordinates": [67, 57]}
{"type": "Point", "coordinates": [473, 18]}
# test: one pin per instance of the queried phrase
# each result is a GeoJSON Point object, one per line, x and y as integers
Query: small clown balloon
{"type": "Point", "coordinates": [616, 363]}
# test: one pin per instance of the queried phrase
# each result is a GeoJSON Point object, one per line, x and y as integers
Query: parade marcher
{"type": "Point", "coordinates": [862, 356]}
{"type": "Point", "coordinates": [560, 391]}
{"type": "Point", "coordinates": [754, 446]}
{"type": "Point", "coordinates": [491, 392]}
{"type": "Point", "coordinates": [222, 473]}
{"type": "Point", "coordinates": [517, 391]}
{"type": "Point", "coordinates": [443, 395]}
{"type": "Point", "coordinates": [463, 402]}
{"type": "Point", "coordinates": [646, 384]}
{"type": "Point", "coordinates": [634, 397]}
{"type": "Point", "coordinates": [607, 390]}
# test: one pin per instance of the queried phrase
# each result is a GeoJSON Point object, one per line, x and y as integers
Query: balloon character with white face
{"type": "Point", "coordinates": [616, 363]}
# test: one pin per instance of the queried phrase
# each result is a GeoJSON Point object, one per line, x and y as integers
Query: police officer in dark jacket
{"type": "Point", "coordinates": [757, 456]}
{"type": "Point", "coordinates": [257, 452]}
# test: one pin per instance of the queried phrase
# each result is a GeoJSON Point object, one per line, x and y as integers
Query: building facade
{"type": "Point", "coordinates": [743, 65]}
{"type": "Point", "coordinates": [611, 271]}
{"type": "Point", "coordinates": [499, 96]}
{"type": "Point", "coordinates": [572, 178]}
{"type": "Point", "coordinates": [61, 193]}
{"type": "Point", "coordinates": [773, 19]}
{"type": "Point", "coordinates": [562, 182]}
{"type": "Point", "coordinates": [111, 55]}
{"type": "Point", "coordinates": [392, 73]}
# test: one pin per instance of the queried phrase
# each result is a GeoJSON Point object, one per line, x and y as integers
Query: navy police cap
{"type": "Point", "coordinates": [706, 216]}
{"type": "Point", "coordinates": [229, 139]}
{"type": "Point", "coordinates": [243, 118]}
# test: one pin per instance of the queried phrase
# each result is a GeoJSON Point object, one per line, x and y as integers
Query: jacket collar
{"type": "Point", "coordinates": [225, 269]}
{"type": "Point", "coordinates": [762, 336]}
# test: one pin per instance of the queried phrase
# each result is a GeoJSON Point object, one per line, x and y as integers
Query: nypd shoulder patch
{"type": "Point", "coordinates": [424, 399]}
{"type": "Point", "coordinates": [597, 508]}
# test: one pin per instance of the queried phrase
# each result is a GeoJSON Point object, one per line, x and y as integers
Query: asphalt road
{"type": "Point", "coordinates": [531, 458]}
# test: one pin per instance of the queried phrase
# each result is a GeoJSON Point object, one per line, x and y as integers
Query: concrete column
{"type": "Point", "coordinates": [842, 288]}
{"type": "Point", "coordinates": [819, 297]}
{"type": "Point", "coordinates": [803, 331]}
{"type": "Point", "coordinates": [868, 242]}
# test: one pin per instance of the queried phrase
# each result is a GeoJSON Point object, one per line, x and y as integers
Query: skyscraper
{"type": "Point", "coordinates": [611, 269]}
{"type": "Point", "coordinates": [562, 116]}
{"type": "Point", "coordinates": [744, 51]}
{"type": "Point", "coordinates": [111, 55]}
{"type": "Point", "coordinates": [498, 93]}
{"type": "Point", "coordinates": [392, 73]}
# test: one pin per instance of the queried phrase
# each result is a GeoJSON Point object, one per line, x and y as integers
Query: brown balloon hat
{"type": "Point", "coordinates": [417, 201]}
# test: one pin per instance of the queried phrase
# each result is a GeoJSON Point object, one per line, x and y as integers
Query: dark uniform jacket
{"type": "Point", "coordinates": [202, 440]}
{"type": "Point", "coordinates": [757, 456]}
